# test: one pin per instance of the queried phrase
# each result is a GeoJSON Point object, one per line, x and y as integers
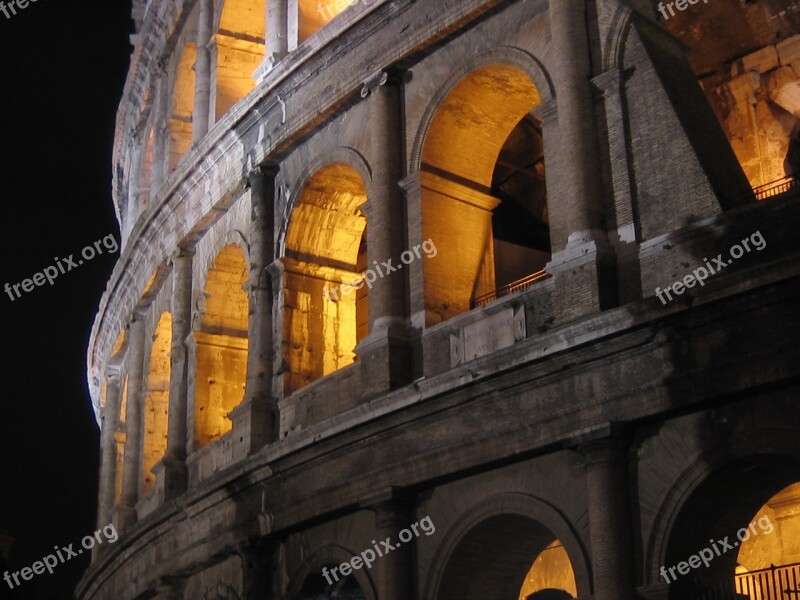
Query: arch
{"type": "Point", "coordinates": [156, 401]}
{"type": "Point", "coordinates": [341, 155]}
{"type": "Point", "coordinates": [330, 554]}
{"type": "Point", "coordinates": [221, 345]}
{"type": "Point", "coordinates": [709, 499]}
{"type": "Point", "coordinates": [240, 47]}
{"type": "Point", "coordinates": [182, 106]}
{"type": "Point", "coordinates": [326, 302]}
{"type": "Point", "coordinates": [483, 189]}
{"type": "Point", "coordinates": [509, 55]}
{"type": "Point", "coordinates": [507, 529]}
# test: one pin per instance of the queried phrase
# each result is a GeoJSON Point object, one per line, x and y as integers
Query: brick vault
{"type": "Point", "coordinates": [519, 273]}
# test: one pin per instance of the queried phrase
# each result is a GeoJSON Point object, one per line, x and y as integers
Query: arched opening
{"type": "Point", "coordinates": [240, 50]}
{"type": "Point", "coordinates": [119, 439]}
{"type": "Point", "coordinates": [316, 587]}
{"type": "Point", "coordinates": [180, 120]}
{"type": "Point", "coordinates": [484, 198]}
{"type": "Point", "coordinates": [156, 402]}
{"type": "Point", "coordinates": [326, 302]}
{"type": "Point", "coordinates": [313, 15]}
{"type": "Point", "coordinates": [551, 576]}
{"type": "Point", "coordinates": [738, 534]}
{"type": "Point", "coordinates": [221, 346]}
{"type": "Point", "coordinates": [507, 556]}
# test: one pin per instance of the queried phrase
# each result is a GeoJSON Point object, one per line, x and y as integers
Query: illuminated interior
{"type": "Point", "coordinates": [551, 576]}
{"type": "Point", "coordinates": [774, 539]}
{"type": "Point", "coordinates": [180, 120]}
{"type": "Point", "coordinates": [119, 439]}
{"type": "Point", "coordinates": [750, 73]}
{"type": "Point", "coordinates": [315, 14]}
{"type": "Point", "coordinates": [156, 402]}
{"type": "Point", "coordinates": [221, 346]}
{"type": "Point", "coordinates": [325, 248]}
{"type": "Point", "coordinates": [484, 200]}
{"type": "Point", "coordinates": [239, 43]}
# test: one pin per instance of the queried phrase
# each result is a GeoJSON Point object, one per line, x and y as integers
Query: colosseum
{"type": "Point", "coordinates": [453, 300]}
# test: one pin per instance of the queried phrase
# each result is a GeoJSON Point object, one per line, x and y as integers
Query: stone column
{"type": "Point", "coordinates": [412, 189]}
{"type": "Point", "coordinates": [109, 417]}
{"type": "Point", "coordinates": [626, 241]}
{"type": "Point", "coordinates": [609, 518]}
{"type": "Point", "coordinates": [256, 559]}
{"type": "Point", "coordinates": [394, 577]}
{"type": "Point", "coordinates": [202, 67]}
{"type": "Point", "coordinates": [160, 130]}
{"type": "Point", "coordinates": [277, 30]}
{"type": "Point", "coordinates": [385, 352]}
{"type": "Point", "coordinates": [292, 24]}
{"type": "Point", "coordinates": [577, 167]}
{"type": "Point", "coordinates": [131, 470]}
{"type": "Point", "coordinates": [256, 419]}
{"type": "Point", "coordinates": [174, 461]}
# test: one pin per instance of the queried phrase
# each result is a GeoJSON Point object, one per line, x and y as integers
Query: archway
{"type": "Point", "coordinates": [506, 556]}
{"type": "Point", "coordinates": [317, 587]}
{"type": "Point", "coordinates": [180, 119]}
{"type": "Point", "coordinates": [239, 42]}
{"type": "Point", "coordinates": [221, 346]}
{"type": "Point", "coordinates": [156, 402]}
{"type": "Point", "coordinates": [733, 526]}
{"type": "Point", "coordinates": [484, 198]}
{"type": "Point", "coordinates": [326, 301]}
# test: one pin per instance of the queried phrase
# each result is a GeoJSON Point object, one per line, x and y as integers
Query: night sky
{"type": "Point", "coordinates": [62, 69]}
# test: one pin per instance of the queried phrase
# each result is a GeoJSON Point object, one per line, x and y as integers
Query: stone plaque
{"type": "Point", "coordinates": [495, 332]}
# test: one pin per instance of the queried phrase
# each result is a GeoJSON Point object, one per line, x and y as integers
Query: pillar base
{"type": "Point", "coordinates": [171, 479]}
{"type": "Point", "coordinates": [255, 424]}
{"type": "Point", "coordinates": [585, 278]}
{"type": "Point", "coordinates": [125, 517]}
{"type": "Point", "coordinates": [385, 357]}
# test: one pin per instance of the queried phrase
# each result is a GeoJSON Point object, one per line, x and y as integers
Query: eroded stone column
{"type": "Point", "coordinates": [174, 462]}
{"type": "Point", "coordinates": [609, 518]}
{"type": "Point", "coordinates": [131, 471]}
{"type": "Point", "coordinates": [394, 577]}
{"type": "Point", "coordinates": [256, 419]}
{"type": "Point", "coordinates": [256, 560]}
{"type": "Point", "coordinates": [202, 67]}
{"type": "Point", "coordinates": [109, 417]}
{"type": "Point", "coordinates": [577, 167]}
{"type": "Point", "coordinates": [385, 352]}
{"type": "Point", "coordinates": [160, 131]}
{"type": "Point", "coordinates": [277, 26]}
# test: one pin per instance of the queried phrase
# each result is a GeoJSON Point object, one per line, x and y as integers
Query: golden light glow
{"type": "Point", "coordinates": [180, 121]}
{"type": "Point", "coordinates": [781, 546]}
{"type": "Point", "coordinates": [156, 402]}
{"type": "Point", "coordinates": [221, 344]}
{"type": "Point", "coordinates": [552, 570]}
{"type": "Point", "coordinates": [460, 156]}
{"type": "Point", "coordinates": [119, 440]}
{"type": "Point", "coordinates": [240, 50]}
{"type": "Point", "coordinates": [325, 245]}
{"type": "Point", "coordinates": [315, 14]}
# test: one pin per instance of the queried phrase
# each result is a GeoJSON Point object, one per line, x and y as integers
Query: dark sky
{"type": "Point", "coordinates": [62, 68]}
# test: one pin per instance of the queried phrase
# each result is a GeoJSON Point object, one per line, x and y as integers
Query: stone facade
{"type": "Point", "coordinates": [257, 429]}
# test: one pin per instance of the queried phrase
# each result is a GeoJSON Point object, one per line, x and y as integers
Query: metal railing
{"type": "Point", "coordinates": [774, 583]}
{"type": "Point", "coordinates": [777, 187]}
{"type": "Point", "coordinates": [514, 286]}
